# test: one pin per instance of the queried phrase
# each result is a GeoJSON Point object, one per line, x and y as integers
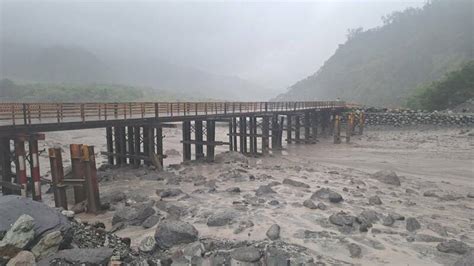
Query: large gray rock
{"type": "Point", "coordinates": [151, 221]}
{"type": "Point", "coordinates": [246, 254]}
{"type": "Point", "coordinates": [354, 250]}
{"type": "Point", "coordinates": [387, 177]}
{"type": "Point", "coordinates": [172, 232]}
{"type": "Point", "coordinates": [46, 219]}
{"type": "Point", "coordinates": [264, 190]}
{"type": "Point", "coordinates": [170, 192]}
{"type": "Point", "coordinates": [221, 218]}
{"type": "Point", "coordinates": [295, 183]}
{"type": "Point", "coordinates": [327, 194]}
{"type": "Point", "coordinates": [18, 236]}
{"type": "Point", "coordinates": [412, 224]}
{"type": "Point", "coordinates": [273, 232]}
{"type": "Point", "coordinates": [342, 219]}
{"type": "Point", "coordinates": [132, 215]}
{"type": "Point", "coordinates": [310, 204]}
{"type": "Point", "coordinates": [79, 256]}
{"type": "Point", "coordinates": [370, 216]}
{"type": "Point", "coordinates": [277, 257]}
{"type": "Point", "coordinates": [453, 246]}
{"type": "Point", "coordinates": [375, 200]}
{"type": "Point", "coordinates": [48, 245]}
{"type": "Point", "coordinates": [148, 244]}
{"type": "Point", "coordinates": [23, 258]}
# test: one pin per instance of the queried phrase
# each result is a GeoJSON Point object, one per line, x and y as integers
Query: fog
{"type": "Point", "coordinates": [269, 44]}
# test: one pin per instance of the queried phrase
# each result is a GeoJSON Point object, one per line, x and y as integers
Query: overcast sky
{"type": "Point", "coordinates": [272, 43]}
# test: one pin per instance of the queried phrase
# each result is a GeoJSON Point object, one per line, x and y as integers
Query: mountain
{"type": "Point", "coordinates": [79, 66]}
{"type": "Point", "coordinates": [382, 66]}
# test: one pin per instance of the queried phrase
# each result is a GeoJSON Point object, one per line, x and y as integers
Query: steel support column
{"type": "Point", "coordinates": [110, 145]}
{"type": "Point", "coordinates": [199, 139]}
{"type": "Point", "coordinates": [211, 138]}
{"type": "Point", "coordinates": [77, 171]}
{"type": "Point", "coordinates": [6, 164]}
{"type": "Point", "coordinates": [186, 128]}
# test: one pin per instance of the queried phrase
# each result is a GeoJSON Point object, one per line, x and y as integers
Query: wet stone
{"type": "Point", "coordinates": [246, 254]}
{"type": "Point", "coordinates": [412, 224]}
{"type": "Point", "coordinates": [294, 183]}
{"type": "Point", "coordinates": [387, 177]}
{"type": "Point", "coordinates": [327, 194]}
{"type": "Point", "coordinates": [264, 190]}
{"type": "Point", "coordinates": [342, 218]}
{"type": "Point", "coordinates": [388, 220]}
{"type": "Point", "coordinates": [375, 200]}
{"type": "Point", "coordinates": [310, 204]}
{"type": "Point", "coordinates": [453, 246]}
{"type": "Point", "coordinates": [273, 232]}
{"type": "Point", "coordinates": [354, 250]}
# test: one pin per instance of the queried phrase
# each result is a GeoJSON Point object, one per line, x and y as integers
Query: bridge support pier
{"type": "Point", "coordinates": [337, 129]}
{"type": "Point", "coordinates": [6, 165]}
{"type": "Point", "coordinates": [289, 129]}
{"type": "Point", "coordinates": [314, 126]}
{"type": "Point", "coordinates": [265, 134]}
{"type": "Point", "coordinates": [199, 139]}
{"type": "Point", "coordinates": [211, 139]}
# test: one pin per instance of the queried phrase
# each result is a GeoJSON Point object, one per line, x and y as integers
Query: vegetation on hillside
{"type": "Point", "coordinates": [456, 88]}
{"type": "Point", "coordinates": [383, 66]}
{"type": "Point", "coordinates": [15, 92]}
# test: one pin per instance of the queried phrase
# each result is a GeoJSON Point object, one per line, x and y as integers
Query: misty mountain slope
{"type": "Point", "coordinates": [76, 65]}
{"type": "Point", "coordinates": [383, 65]}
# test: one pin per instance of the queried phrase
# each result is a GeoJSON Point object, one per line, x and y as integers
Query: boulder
{"type": "Point", "coordinates": [48, 245]}
{"type": "Point", "coordinates": [132, 215]}
{"type": "Point", "coordinates": [46, 219]}
{"type": "Point", "coordinates": [172, 232]}
{"type": "Point", "coordinates": [23, 258]}
{"type": "Point", "coordinates": [246, 254]}
{"type": "Point", "coordinates": [310, 204]}
{"type": "Point", "coordinates": [388, 220]}
{"type": "Point", "coordinates": [18, 236]}
{"type": "Point", "coordinates": [170, 192]}
{"type": "Point", "coordinates": [412, 224]}
{"type": "Point", "coordinates": [294, 183]}
{"type": "Point", "coordinates": [342, 219]}
{"type": "Point", "coordinates": [354, 250]}
{"type": "Point", "coordinates": [327, 194]}
{"type": "Point", "coordinates": [222, 217]}
{"type": "Point", "coordinates": [387, 177]}
{"type": "Point", "coordinates": [453, 246]}
{"type": "Point", "coordinates": [233, 190]}
{"type": "Point", "coordinates": [370, 216]}
{"type": "Point", "coordinates": [375, 200]}
{"type": "Point", "coordinates": [264, 190]}
{"type": "Point", "coordinates": [79, 256]}
{"type": "Point", "coordinates": [147, 245]}
{"type": "Point", "coordinates": [273, 233]}
{"type": "Point", "coordinates": [151, 221]}
{"type": "Point", "coordinates": [277, 257]}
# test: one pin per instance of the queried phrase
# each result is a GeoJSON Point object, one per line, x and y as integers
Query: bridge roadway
{"type": "Point", "coordinates": [42, 117]}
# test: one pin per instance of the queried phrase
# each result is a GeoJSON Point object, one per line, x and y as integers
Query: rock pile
{"type": "Point", "coordinates": [400, 118]}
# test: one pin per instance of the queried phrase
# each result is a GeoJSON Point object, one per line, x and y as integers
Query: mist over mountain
{"type": "Point", "coordinates": [76, 65]}
{"type": "Point", "coordinates": [383, 65]}
{"type": "Point", "coordinates": [227, 50]}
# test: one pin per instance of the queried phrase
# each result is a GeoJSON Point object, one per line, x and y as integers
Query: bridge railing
{"type": "Point", "coordinates": [38, 113]}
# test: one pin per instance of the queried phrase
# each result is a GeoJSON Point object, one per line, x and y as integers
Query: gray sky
{"type": "Point", "coordinates": [272, 43]}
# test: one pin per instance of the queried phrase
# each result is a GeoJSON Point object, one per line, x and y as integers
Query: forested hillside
{"type": "Point", "coordinates": [383, 66]}
{"type": "Point", "coordinates": [456, 88]}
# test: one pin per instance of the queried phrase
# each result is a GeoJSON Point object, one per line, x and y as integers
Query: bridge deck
{"type": "Point", "coordinates": [27, 117]}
